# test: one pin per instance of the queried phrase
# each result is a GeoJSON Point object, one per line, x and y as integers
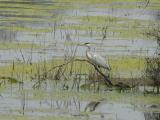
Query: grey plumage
{"type": "Point", "coordinates": [95, 58]}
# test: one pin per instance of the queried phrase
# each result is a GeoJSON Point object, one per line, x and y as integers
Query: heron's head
{"type": "Point", "coordinates": [87, 44]}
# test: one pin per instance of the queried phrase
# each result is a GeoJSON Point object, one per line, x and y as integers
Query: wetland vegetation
{"type": "Point", "coordinates": [44, 73]}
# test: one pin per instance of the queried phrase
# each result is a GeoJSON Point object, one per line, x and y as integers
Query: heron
{"type": "Point", "coordinates": [94, 58]}
{"type": "Point", "coordinates": [97, 61]}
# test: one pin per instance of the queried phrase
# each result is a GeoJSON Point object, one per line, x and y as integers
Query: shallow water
{"type": "Point", "coordinates": [47, 101]}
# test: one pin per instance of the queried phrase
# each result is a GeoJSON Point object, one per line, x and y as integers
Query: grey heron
{"type": "Point", "coordinates": [97, 61]}
{"type": "Point", "coordinates": [94, 58]}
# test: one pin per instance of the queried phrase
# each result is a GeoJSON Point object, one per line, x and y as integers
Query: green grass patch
{"type": "Point", "coordinates": [28, 117]}
{"type": "Point", "coordinates": [16, 117]}
{"type": "Point", "coordinates": [127, 63]}
{"type": "Point", "coordinates": [15, 45]}
{"type": "Point", "coordinates": [19, 28]}
{"type": "Point", "coordinates": [150, 6]}
{"type": "Point", "coordinates": [119, 65]}
{"type": "Point", "coordinates": [101, 1]}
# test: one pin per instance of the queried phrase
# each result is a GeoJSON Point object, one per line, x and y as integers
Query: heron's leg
{"type": "Point", "coordinates": [107, 73]}
{"type": "Point", "coordinates": [106, 78]}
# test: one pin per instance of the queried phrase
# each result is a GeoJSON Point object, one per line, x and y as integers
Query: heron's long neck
{"type": "Point", "coordinates": [88, 50]}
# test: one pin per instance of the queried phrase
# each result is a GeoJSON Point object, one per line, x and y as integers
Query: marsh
{"type": "Point", "coordinates": [39, 78]}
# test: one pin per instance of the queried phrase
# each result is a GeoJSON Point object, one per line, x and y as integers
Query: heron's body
{"type": "Point", "coordinates": [97, 59]}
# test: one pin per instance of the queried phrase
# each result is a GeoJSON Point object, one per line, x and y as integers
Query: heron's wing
{"type": "Point", "coordinates": [98, 60]}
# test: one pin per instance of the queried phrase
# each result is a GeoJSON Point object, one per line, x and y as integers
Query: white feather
{"type": "Point", "coordinates": [96, 59]}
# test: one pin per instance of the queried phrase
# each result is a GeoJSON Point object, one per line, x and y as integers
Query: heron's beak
{"type": "Point", "coordinates": [81, 44]}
